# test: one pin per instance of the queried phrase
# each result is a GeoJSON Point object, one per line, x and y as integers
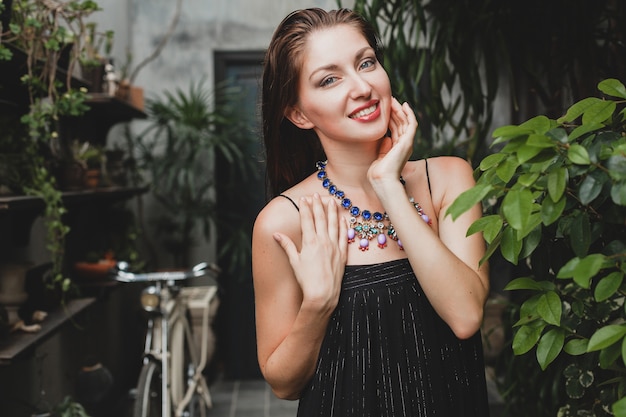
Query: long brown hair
{"type": "Point", "coordinates": [291, 152]}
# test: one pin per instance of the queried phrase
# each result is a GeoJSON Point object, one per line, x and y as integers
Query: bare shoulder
{"type": "Point", "coordinates": [279, 215]}
{"type": "Point", "coordinates": [449, 176]}
{"type": "Point", "coordinates": [451, 170]}
{"type": "Point", "coordinates": [451, 164]}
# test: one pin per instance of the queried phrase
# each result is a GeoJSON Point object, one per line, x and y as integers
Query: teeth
{"type": "Point", "coordinates": [364, 112]}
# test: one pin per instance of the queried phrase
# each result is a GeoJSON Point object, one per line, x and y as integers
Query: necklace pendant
{"type": "Point", "coordinates": [372, 225]}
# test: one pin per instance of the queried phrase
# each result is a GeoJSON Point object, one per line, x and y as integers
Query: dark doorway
{"type": "Point", "coordinates": [236, 328]}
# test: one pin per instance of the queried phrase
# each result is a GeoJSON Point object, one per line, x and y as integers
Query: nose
{"type": "Point", "coordinates": [360, 87]}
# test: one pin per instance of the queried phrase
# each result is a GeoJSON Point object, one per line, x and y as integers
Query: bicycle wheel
{"type": "Point", "coordinates": [148, 401]}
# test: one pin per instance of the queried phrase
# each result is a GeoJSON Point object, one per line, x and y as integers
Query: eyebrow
{"type": "Point", "coordinates": [332, 67]}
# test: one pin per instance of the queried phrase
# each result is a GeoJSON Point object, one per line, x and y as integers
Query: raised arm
{"type": "Point", "coordinates": [297, 264]}
{"type": "Point", "coordinates": [445, 261]}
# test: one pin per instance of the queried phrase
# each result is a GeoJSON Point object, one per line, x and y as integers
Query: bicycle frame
{"type": "Point", "coordinates": [168, 331]}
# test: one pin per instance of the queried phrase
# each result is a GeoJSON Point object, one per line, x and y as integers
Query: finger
{"type": "Point", "coordinates": [288, 246]}
{"type": "Point", "coordinates": [410, 114]}
{"type": "Point", "coordinates": [343, 237]}
{"type": "Point", "coordinates": [333, 222]}
{"type": "Point", "coordinates": [319, 213]}
{"type": "Point", "coordinates": [307, 222]}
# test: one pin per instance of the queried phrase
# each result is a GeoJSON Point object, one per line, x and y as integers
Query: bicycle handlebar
{"type": "Point", "coordinates": [120, 273]}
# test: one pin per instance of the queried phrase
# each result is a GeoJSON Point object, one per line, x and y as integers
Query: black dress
{"type": "Point", "coordinates": [387, 353]}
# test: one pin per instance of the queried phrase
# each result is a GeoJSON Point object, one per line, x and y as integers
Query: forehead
{"type": "Point", "coordinates": [332, 45]}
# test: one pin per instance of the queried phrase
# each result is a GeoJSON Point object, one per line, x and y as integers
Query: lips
{"type": "Point", "coordinates": [368, 112]}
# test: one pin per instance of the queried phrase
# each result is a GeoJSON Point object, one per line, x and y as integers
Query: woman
{"type": "Point", "coordinates": [352, 320]}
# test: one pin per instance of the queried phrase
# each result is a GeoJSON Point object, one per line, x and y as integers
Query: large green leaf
{"type": "Point", "coordinates": [551, 211]}
{"type": "Point", "coordinates": [532, 240]}
{"type": "Point", "coordinates": [578, 155]}
{"type": "Point", "coordinates": [577, 109]}
{"type": "Point", "coordinates": [612, 87]}
{"type": "Point", "coordinates": [527, 152]}
{"type": "Point", "coordinates": [549, 308]}
{"type": "Point", "coordinates": [606, 336]}
{"type": "Point", "coordinates": [510, 246]}
{"type": "Point", "coordinates": [506, 169]}
{"type": "Point", "coordinates": [516, 207]}
{"type": "Point", "coordinates": [540, 141]}
{"type": "Point", "coordinates": [557, 180]}
{"type": "Point", "coordinates": [576, 347]}
{"type": "Point", "coordinates": [583, 130]}
{"type": "Point", "coordinates": [491, 160]}
{"type": "Point", "coordinates": [608, 286]}
{"type": "Point", "coordinates": [591, 187]}
{"type": "Point", "coordinates": [509, 132]}
{"type": "Point", "coordinates": [468, 199]}
{"type": "Point", "coordinates": [549, 347]}
{"type": "Point", "coordinates": [619, 408]}
{"type": "Point", "coordinates": [616, 164]}
{"type": "Point", "coordinates": [598, 112]}
{"type": "Point", "coordinates": [525, 338]}
{"type": "Point", "coordinates": [582, 270]}
{"type": "Point", "coordinates": [526, 283]}
{"type": "Point", "coordinates": [489, 225]}
{"type": "Point", "coordinates": [538, 124]}
{"type": "Point", "coordinates": [618, 193]}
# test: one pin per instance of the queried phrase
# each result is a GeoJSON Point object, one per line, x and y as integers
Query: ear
{"type": "Point", "coordinates": [295, 116]}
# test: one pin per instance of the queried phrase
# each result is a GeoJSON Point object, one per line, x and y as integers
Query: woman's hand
{"type": "Point", "coordinates": [395, 151]}
{"type": "Point", "coordinates": [320, 263]}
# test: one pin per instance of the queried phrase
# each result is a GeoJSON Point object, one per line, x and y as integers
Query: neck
{"type": "Point", "coordinates": [349, 168]}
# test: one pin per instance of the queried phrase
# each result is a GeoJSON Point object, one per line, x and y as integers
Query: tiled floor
{"type": "Point", "coordinates": [248, 398]}
{"type": "Point", "coordinates": [253, 398]}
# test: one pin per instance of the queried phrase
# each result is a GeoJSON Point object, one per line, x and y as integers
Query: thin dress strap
{"type": "Point", "coordinates": [292, 202]}
{"type": "Point", "coordinates": [427, 178]}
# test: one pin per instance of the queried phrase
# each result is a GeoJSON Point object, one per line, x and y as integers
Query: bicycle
{"type": "Point", "coordinates": [171, 379]}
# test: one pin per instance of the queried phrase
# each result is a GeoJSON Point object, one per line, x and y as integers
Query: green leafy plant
{"type": "Point", "coordinates": [38, 34]}
{"type": "Point", "coordinates": [188, 132]}
{"type": "Point", "coordinates": [555, 204]}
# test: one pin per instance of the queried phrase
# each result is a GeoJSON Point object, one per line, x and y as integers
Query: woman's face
{"type": "Point", "coordinates": [344, 92]}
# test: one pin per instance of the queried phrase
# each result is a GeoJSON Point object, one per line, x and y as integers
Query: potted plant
{"type": "Point", "coordinates": [186, 134]}
{"type": "Point", "coordinates": [555, 203]}
{"type": "Point", "coordinates": [88, 159]}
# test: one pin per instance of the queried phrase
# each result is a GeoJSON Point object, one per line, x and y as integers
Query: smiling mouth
{"type": "Point", "coordinates": [364, 112]}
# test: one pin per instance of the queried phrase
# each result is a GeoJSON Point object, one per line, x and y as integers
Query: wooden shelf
{"type": "Point", "coordinates": [17, 213]}
{"type": "Point", "coordinates": [71, 198]}
{"type": "Point", "coordinates": [18, 343]}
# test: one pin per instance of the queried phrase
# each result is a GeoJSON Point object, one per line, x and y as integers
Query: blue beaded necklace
{"type": "Point", "coordinates": [364, 224]}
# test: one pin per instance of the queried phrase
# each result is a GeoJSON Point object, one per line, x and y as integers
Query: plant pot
{"type": "Point", "coordinates": [13, 289]}
{"type": "Point", "coordinates": [135, 97]}
{"type": "Point", "coordinates": [72, 176]}
{"type": "Point", "coordinates": [92, 178]}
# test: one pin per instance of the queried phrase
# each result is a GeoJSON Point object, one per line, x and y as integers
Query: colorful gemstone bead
{"type": "Point", "coordinates": [373, 225]}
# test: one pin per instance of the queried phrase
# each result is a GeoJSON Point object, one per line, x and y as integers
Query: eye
{"type": "Point", "coordinates": [328, 81]}
{"type": "Point", "coordinates": [367, 63]}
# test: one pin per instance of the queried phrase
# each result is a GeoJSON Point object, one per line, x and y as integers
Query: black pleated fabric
{"type": "Point", "coordinates": [387, 353]}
